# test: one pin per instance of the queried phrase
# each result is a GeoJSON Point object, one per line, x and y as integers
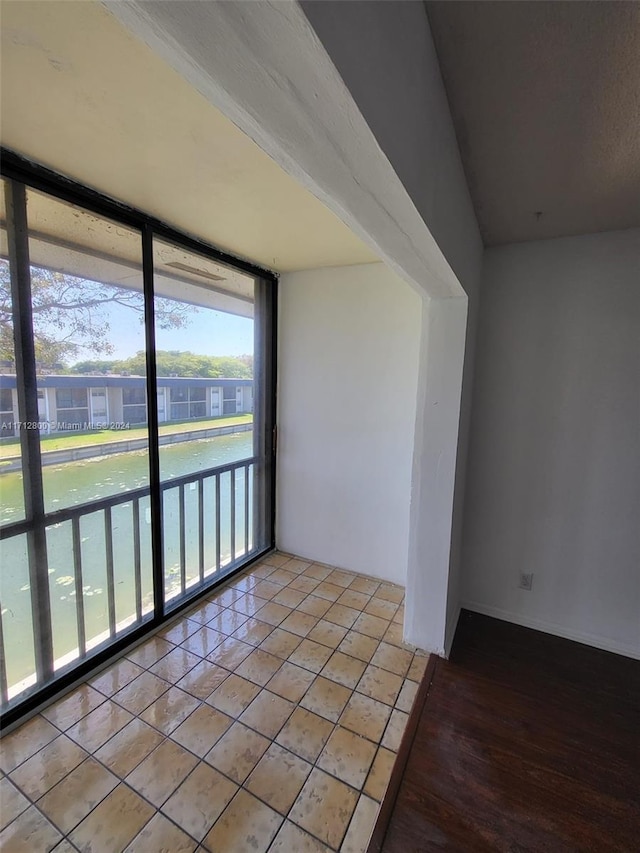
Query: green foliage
{"type": "Point", "coordinates": [91, 366]}
{"type": "Point", "coordinates": [175, 363]}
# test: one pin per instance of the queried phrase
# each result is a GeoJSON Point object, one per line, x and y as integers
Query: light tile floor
{"type": "Point", "coordinates": [265, 719]}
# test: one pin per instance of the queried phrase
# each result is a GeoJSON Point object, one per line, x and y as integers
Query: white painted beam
{"type": "Point", "coordinates": [264, 67]}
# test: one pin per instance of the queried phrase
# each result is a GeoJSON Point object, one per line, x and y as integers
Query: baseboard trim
{"type": "Point", "coordinates": [595, 640]}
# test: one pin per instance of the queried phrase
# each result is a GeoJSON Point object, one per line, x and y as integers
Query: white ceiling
{"type": "Point", "coordinates": [545, 98]}
{"type": "Point", "coordinates": [81, 95]}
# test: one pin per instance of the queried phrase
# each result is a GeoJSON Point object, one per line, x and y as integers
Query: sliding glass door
{"type": "Point", "coordinates": [207, 465]}
{"type": "Point", "coordinates": [136, 452]}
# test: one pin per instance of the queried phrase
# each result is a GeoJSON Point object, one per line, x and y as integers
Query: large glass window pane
{"type": "Point", "coordinates": [17, 615]}
{"type": "Point", "coordinates": [89, 334]}
{"type": "Point", "coordinates": [88, 323]}
{"type": "Point", "coordinates": [66, 595]}
{"type": "Point", "coordinates": [78, 571]}
{"type": "Point", "coordinates": [205, 342]}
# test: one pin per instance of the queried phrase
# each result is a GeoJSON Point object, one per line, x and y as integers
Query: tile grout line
{"type": "Point", "coordinates": [122, 780]}
{"type": "Point", "coordinates": [240, 786]}
{"type": "Point", "coordinates": [336, 725]}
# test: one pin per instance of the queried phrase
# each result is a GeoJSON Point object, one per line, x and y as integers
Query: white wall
{"type": "Point", "coordinates": [554, 473]}
{"type": "Point", "coordinates": [385, 54]}
{"type": "Point", "coordinates": [348, 363]}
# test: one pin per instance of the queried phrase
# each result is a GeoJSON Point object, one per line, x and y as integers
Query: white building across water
{"type": "Point", "coordinates": [102, 402]}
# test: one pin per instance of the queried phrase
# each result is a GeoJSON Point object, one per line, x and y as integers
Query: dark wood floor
{"type": "Point", "coordinates": [525, 742]}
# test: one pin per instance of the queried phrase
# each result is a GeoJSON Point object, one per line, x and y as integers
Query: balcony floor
{"type": "Point", "coordinates": [266, 718]}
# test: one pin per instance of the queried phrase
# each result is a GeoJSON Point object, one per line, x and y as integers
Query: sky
{"type": "Point", "coordinates": [208, 332]}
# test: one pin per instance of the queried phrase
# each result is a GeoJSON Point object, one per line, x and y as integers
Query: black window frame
{"type": "Point", "coordinates": [22, 174]}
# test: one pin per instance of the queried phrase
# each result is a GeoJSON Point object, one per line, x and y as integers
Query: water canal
{"type": "Point", "coordinates": [83, 481]}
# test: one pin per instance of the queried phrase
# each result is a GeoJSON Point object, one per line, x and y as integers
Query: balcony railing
{"type": "Point", "coordinates": [208, 529]}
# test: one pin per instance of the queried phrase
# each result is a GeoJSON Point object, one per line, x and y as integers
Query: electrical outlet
{"type": "Point", "coordinates": [526, 580]}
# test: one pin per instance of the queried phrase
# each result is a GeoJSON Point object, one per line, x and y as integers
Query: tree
{"type": "Point", "coordinates": [176, 363]}
{"type": "Point", "coordinates": [93, 366]}
{"type": "Point", "coordinates": [70, 314]}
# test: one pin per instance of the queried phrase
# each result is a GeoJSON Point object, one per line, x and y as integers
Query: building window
{"type": "Point", "coordinates": [6, 412]}
{"type": "Point", "coordinates": [71, 398]}
{"type": "Point", "coordinates": [134, 405]}
{"type": "Point", "coordinates": [197, 402]}
{"type": "Point", "coordinates": [187, 403]}
{"type": "Point", "coordinates": [131, 519]}
{"type": "Point", "coordinates": [179, 403]}
{"type": "Point", "coordinates": [229, 398]}
{"type": "Point", "coordinates": [72, 408]}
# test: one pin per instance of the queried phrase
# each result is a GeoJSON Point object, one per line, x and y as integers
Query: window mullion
{"type": "Point", "coordinates": [18, 244]}
{"type": "Point", "coordinates": [155, 497]}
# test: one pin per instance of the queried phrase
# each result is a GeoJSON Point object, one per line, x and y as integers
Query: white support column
{"type": "Point", "coordinates": [434, 464]}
